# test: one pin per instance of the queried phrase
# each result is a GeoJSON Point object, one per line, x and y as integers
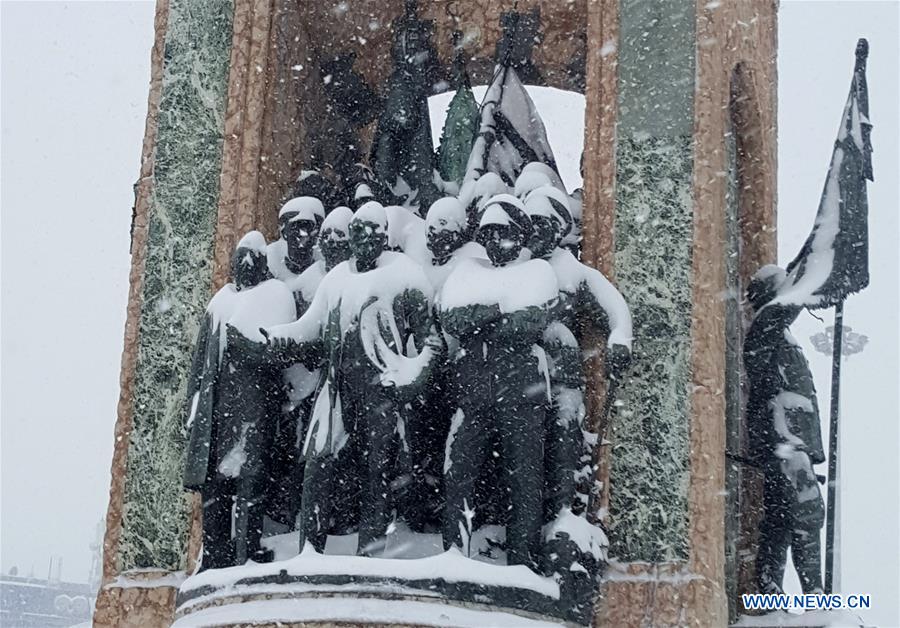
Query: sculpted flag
{"type": "Point", "coordinates": [834, 261]}
{"type": "Point", "coordinates": [511, 133]}
{"type": "Point", "coordinates": [460, 126]}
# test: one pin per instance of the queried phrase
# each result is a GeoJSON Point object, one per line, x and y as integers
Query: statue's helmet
{"type": "Point", "coordinates": [764, 284]}
{"type": "Point", "coordinates": [528, 181]}
{"type": "Point", "coordinates": [487, 185]}
{"type": "Point", "coordinates": [445, 214]}
{"type": "Point", "coordinates": [503, 228]}
{"type": "Point", "coordinates": [541, 167]}
{"type": "Point", "coordinates": [249, 266]}
{"type": "Point", "coordinates": [550, 219]}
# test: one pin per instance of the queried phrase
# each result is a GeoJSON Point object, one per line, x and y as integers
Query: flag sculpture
{"type": "Point", "coordinates": [834, 261]}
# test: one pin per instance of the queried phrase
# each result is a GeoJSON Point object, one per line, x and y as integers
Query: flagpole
{"type": "Point", "coordinates": [833, 479]}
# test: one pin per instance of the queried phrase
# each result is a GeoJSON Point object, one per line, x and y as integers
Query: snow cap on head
{"type": "Point", "coordinates": [505, 209]}
{"type": "Point", "coordinates": [363, 191]}
{"type": "Point", "coordinates": [550, 202]}
{"type": "Point", "coordinates": [337, 222]}
{"type": "Point", "coordinates": [529, 181]}
{"type": "Point", "coordinates": [374, 213]}
{"type": "Point", "coordinates": [764, 284]}
{"type": "Point", "coordinates": [770, 271]}
{"type": "Point", "coordinates": [488, 185]}
{"type": "Point", "coordinates": [446, 213]}
{"type": "Point", "coordinates": [539, 166]}
{"type": "Point", "coordinates": [306, 208]}
{"type": "Point", "coordinates": [254, 241]}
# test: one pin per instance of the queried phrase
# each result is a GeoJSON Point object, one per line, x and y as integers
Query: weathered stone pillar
{"type": "Point", "coordinates": [675, 60]}
{"type": "Point", "coordinates": [177, 196]}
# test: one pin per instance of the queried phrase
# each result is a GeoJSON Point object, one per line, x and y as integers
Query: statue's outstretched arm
{"type": "Point", "coordinates": [302, 339]}
{"type": "Point", "coordinates": [602, 300]}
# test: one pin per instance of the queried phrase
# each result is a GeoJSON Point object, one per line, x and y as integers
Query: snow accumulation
{"type": "Point", "coordinates": [372, 212]}
{"type": "Point", "coordinates": [450, 566]}
{"type": "Point", "coordinates": [269, 303]}
{"type": "Point", "coordinates": [446, 213]}
{"type": "Point", "coordinates": [589, 538]}
{"type": "Point", "coordinates": [539, 167]}
{"type": "Point", "coordinates": [513, 287]}
{"type": "Point", "coordinates": [817, 269]}
{"type": "Point", "coordinates": [338, 221]}
{"type": "Point", "coordinates": [254, 241]}
{"type": "Point", "coordinates": [572, 275]}
{"type": "Point", "coordinates": [351, 609]}
{"type": "Point", "coordinates": [528, 181]}
{"type": "Point", "coordinates": [307, 282]}
{"type": "Point", "coordinates": [275, 253]}
{"type": "Point", "coordinates": [349, 290]}
{"type": "Point", "coordinates": [306, 208]}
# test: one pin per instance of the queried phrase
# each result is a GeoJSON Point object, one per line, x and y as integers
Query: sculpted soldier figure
{"type": "Point", "coordinates": [232, 405]}
{"type": "Point", "coordinates": [371, 320]}
{"type": "Point", "coordinates": [587, 301]}
{"type": "Point", "coordinates": [291, 257]}
{"type": "Point", "coordinates": [402, 151]}
{"type": "Point", "coordinates": [291, 260]}
{"type": "Point", "coordinates": [494, 313]}
{"type": "Point", "coordinates": [334, 237]}
{"type": "Point", "coordinates": [785, 438]}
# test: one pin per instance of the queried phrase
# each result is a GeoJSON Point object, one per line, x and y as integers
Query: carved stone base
{"type": "Point", "coordinates": [316, 589]}
{"type": "Point", "coordinates": [135, 607]}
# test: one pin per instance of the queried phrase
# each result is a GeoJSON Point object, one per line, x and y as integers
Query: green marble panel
{"type": "Point", "coordinates": [177, 277]}
{"type": "Point", "coordinates": [653, 231]}
{"type": "Point", "coordinates": [656, 67]}
{"type": "Point", "coordinates": [650, 431]}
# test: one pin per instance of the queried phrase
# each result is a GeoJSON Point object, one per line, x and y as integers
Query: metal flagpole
{"type": "Point", "coordinates": [833, 478]}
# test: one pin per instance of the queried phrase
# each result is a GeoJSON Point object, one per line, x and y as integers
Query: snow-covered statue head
{"type": "Point", "coordinates": [528, 181]}
{"type": "Point", "coordinates": [298, 221]}
{"type": "Point", "coordinates": [548, 209]}
{"type": "Point", "coordinates": [445, 227]}
{"type": "Point", "coordinates": [488, 185]}
{"type": "Point", "coordinates": [539, 167]}
{"type": "Point", "coordinates": [503, 228]}
{"type": "Point", "coordinates": [334, 236]}
{"type": "Point", "coordinates": [368, 235]}
{"type": "Point", "coordinates": [249, 267]}
{"type": "Point", "coordinates": [764, 285]}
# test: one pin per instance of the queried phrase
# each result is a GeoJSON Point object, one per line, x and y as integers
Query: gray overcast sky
{"type": "Point", "coordinates": [74, 90]}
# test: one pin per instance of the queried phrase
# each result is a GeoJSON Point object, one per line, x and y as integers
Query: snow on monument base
{"type": "Point", "coordinates": [442, 589]}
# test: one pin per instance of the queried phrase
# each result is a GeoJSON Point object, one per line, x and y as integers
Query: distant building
{"type": "Point", "coordinates": [26, 602]}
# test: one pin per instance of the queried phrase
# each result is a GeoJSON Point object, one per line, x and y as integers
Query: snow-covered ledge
{"type": "Point", "coordinates": [433, 590]}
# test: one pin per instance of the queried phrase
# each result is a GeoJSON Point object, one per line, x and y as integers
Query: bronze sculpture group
{"type": "Point", "coordinates": [439, 385]}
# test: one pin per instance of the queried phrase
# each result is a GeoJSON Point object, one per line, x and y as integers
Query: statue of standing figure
{"type": "Point", "coordinates": [785, 438]}
{"type": "Point", "coordinates": [232, 407]}
{"type": "Point", "coordinates": [371, 320]}
{"type": "Point", "coordinates": [494, 312]}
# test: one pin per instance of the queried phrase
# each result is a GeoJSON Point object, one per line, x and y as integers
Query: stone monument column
{"type": "Point", "coordinates": [675, 62]}
{"type": "Point", "coordinates": [194, 197]}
